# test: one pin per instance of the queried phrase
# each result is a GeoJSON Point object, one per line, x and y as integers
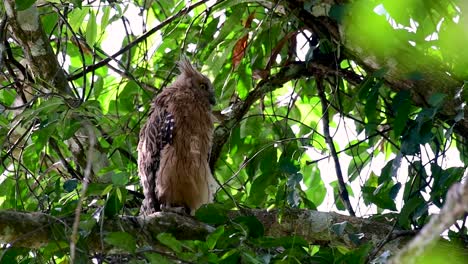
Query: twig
{"type": "Point", "coordinates": [326, 131]}
{"type": "Point", "coordinates": [87, 174]}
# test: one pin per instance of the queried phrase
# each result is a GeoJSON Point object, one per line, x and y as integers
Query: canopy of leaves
{"type": "Point", "coordinates": [349, 106]}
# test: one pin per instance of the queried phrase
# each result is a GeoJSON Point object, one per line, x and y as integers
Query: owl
{"type": "Point", "coordinates": [175, 143]}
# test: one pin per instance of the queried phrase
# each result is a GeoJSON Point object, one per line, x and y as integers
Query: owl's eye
{"type": "Point", "coordinates": [203, 86]}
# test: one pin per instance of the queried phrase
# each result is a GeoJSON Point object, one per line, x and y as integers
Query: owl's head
{"type": "Point", "coordinates": [199, 82]}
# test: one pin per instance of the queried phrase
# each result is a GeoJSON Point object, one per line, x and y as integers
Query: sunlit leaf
{"type": "Point", "coordinates": [91, 29]}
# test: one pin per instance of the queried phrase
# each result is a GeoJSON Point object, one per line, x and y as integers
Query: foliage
{"type": "Point", "coordinates": [276, 155]}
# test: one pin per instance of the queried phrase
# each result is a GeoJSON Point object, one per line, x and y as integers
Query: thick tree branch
{"type": "Point", "coordinates": [34, 230]}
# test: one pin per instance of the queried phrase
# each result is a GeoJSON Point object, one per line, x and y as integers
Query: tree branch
{"type": "Point", "coordinates": [326, 131]}
{"type": "Point", "coordinates": [28, 31]}
{"type": "Point", "coordinates": [34, 230]}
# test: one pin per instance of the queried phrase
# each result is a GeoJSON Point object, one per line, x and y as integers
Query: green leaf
{"type": "Point", "coordinates": [293, 182]}
{"type": "Point", "coordinates": [70, 185]}
{"type": "Point", "coordinates": [213, 237]}
{"type": "Point", "coordinates": [232, 256]}
{"type": "Point", "coordinates": [383, 196]}
{"type": "Point", "coordinates": [11, 255]}
{"type": "Point", "coordinates": [71, 128]}
{"type": "Point", "coordinates": [336, 193]}
{"type": "Point", "coordinates": [248, 258]}
{"type": "Point", "coordinates": [170, 241]}
{"type": "Point", "coordinates": [401, 108]}
{"type": "Point", "coordinates": [78, 3]}
{"type": "Point", "coordinates": [358, 255]}
{"type": "Point", "coordinates": [77, 17]}
{"type": "Point", "coordinates": [22, 5]}
{"type": "Point", "coordinates": [257, 195]}
{"type": "Point", "coordinates": [157, 258]}
{"type": "Point", "coordinates": [98, 87]}
{"type": "Point", "coordinates": [105, 18]}
{"type": "Point", "coordinates": [409, 209]}
{"type": "Point", "coordinates": [122, 240]}
{"type": "Point", "coordinates": [437, 99]}
{"type": "Point", "coordinates": [354, 169]}
{"type": "Point", "coordinates": [316, 190]}
{"type": "Point", "coordinates": [213, 214]}
{"type": "Point", "coordinates": [114, 203]}
{"type": "Point", "coordinates": [254, 226]}
{"type": "Point", "coordinates": [120, 179]}
{"type": "Point", "coordinates": [126, 97]}
{"type": "Point", "coordinates": [371, 107]}
{"type": "Point", "coordinates": [286, 242]}
{"type": "Point", "coordinates": [91, 29]}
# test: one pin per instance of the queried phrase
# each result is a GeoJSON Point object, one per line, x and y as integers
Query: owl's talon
{"type": "Point", "coordinates": [182, 210]}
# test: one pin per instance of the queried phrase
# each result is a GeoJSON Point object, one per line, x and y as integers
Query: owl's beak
{"type": "Point", "coordinates": [212, 98]}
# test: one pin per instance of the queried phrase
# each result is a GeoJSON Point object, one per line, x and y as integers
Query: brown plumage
{"type": "Point", "coordinates": [175, 144]}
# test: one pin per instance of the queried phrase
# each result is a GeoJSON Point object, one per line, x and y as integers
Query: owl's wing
{"type": "Point", "coordinates": [154, 136]}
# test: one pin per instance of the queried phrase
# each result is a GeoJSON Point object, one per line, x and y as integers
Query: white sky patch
{"type": "Point", "coordinates": [287, 98]}
{"type": "Point", "coordinates": [433, 36]}
{"type": "Point", "coordinates": [191, 48]}
{"type": "Point", "coordinates": [222, 18]}
{"type": "Point", "coordinates": [380, 10]}
{"type": "Point", "coordinates": [116, 31]}
{"type": "Point", "coordinates": [295, 129]}
{"type": "Point", "coordinates": [413, 25]}
{"type": "Point", "coordinates": [302, 44]}
{"type": "Point", "coordinates": [65, 62]}
{"type": "Point", "coordinates": [210, 3]}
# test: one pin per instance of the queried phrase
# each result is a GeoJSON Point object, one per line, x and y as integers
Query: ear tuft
{"type": "Point", "coordinates": [185, 67]}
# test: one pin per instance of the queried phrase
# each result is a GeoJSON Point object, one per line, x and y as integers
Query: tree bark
{"type": "Point", "coordinates": [35, 230]}
{"type": "Point", "coordinates": [27, 29]}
